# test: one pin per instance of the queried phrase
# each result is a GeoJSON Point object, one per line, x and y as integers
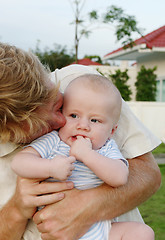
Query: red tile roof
{"type": "Point", "coordinates": [153, 39]}
{"type": "Point", "coordinates": [87, 62]}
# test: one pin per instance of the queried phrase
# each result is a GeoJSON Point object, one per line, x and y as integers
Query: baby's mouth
{"type": "Point", "coordinates": [75, 137]}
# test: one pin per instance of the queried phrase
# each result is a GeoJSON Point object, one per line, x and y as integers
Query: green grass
{"type": "Point", "coordinates": [153, 210]}
{"type": "Point", "coordinates": [160, 149]}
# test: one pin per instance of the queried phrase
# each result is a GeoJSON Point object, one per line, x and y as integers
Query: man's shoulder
{"type": "Point", "coordinates": [6, 148]}
{"type": "Point", "coordinates": [76, 68]}
{"type": "Point", "coordinates": [68, 73]}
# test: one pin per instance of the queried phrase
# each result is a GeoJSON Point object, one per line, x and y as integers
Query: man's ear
{"type": "Point", "coordinates": [114, 130]}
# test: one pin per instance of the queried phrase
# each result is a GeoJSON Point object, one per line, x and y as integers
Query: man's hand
{"type": "Point", "coordinates": [29, 194]}
{"type": "Point", "coordinates": [22, 206]}
{"type": "Point", "coordinates": [65, 219]}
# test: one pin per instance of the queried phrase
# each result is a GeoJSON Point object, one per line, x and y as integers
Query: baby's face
{"type": "Point", "coordinates": [88, 114]}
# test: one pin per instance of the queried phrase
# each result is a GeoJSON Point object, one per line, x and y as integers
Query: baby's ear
{"type": "Point", "coordinates": [114, 129]}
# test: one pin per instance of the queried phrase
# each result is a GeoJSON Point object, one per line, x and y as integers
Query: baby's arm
{"type": "Point", "coordinates": [112, 171]}
{"type": "Point", "coordinates": [29, 164]}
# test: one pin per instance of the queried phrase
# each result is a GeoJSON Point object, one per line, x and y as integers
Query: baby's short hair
{"type": "Point", "coordinates": [100, 83]}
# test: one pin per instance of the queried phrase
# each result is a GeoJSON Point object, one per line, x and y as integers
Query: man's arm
{"type": "Point", "coordinates": [22, 206]}
{"type": "Point", "coordinates": [12, 223]}
{"type": "Point", "coordinates": [72, 217]}
{"type": "Point", "coordinates": [144, 180]}
{"type": "Point", "coordinates": [14, 215]}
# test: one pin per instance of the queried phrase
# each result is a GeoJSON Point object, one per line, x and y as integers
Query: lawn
{"type": "Point", "coordinates": [153, 210]}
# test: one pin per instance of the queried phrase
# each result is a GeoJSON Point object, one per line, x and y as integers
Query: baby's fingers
{"type": "Point", "coordinates": [72, 167]}
{"type": "Point", "coordinates": [79, 137]}
{"type": "Point", "coordinates": [71, 159]}
{"type": "Point", "coordinates": [69, 174]}
{"type": "Point", "coordinates": [88, 139]}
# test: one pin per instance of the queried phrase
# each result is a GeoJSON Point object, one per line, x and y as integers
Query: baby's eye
{"type": "Point", "coordinates": [73, 115]}
{"type": "Point", "coordinates": [94, 120]}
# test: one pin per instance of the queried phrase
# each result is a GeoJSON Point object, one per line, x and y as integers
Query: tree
{"type": "Point", "coordinates": [146, 84]}
{"type": "Point", "coordinates": [125, 24]}
{"type": "Point", "coordinates": [56, 58]}
{"type": "Point", "coordinates": [120, 80]}
{"type": "Point", "coordinates": [94, 58]}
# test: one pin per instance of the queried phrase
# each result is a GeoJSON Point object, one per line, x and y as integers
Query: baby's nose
{"type": "Point", "coordinates": [84, 124]}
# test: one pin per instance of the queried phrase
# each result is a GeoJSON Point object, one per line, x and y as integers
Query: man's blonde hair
{"type": "Point", "coordinates": [22, 90]}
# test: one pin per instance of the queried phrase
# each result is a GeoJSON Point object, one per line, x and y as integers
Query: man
{"type": "Point", "coordinates": [71, 217]}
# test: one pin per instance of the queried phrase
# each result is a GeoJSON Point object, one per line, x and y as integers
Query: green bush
{"type": "Point", "coordinates": [146, 84]}
{"type": "Point", "coordinates": [120, 79]}
{"type": "Point", "coordinates": [160, 149]}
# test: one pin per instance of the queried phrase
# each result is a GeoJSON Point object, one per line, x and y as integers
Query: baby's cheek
{"type": "Point", "coordinates": [97, 143]}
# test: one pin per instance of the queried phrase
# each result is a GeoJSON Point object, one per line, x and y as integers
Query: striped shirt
{"type": "Point", "coordinates": [50, 145]}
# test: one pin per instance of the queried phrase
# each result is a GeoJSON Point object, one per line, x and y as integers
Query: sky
{"type": "Point", "coordinates": [24, 22]}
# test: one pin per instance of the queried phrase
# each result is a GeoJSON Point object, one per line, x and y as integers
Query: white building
{"type": "Point", "coordinates": [149, 51]}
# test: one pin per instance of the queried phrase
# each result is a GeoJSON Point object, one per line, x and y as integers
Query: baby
{"type": "Point", "coordinates": [84, 152]}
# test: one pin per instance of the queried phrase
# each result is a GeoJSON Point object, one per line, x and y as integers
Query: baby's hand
{"type": "Point", "coordinates": [80, 147]}
{"type": "Point", "coordinates": [61, 167]}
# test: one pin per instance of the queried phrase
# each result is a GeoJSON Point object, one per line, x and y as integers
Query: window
{"type": "Point", "coordinates": [160, 95]}
{"type": "Point", "coordinates": [163, 91]}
